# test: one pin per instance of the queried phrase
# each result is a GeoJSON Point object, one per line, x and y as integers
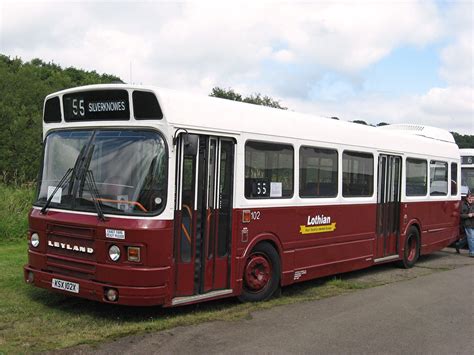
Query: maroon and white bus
{"type": "Point", "coordinates": [148, 196]}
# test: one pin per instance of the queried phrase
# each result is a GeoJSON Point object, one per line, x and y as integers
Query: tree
{"type": "Point", "coordinates": [256, 99]}
{"type": "Point", "coordinates": [228, 94]}
{"type": "Point", "coordinates": [360, 122]}
{"type": "Point", "coordinates": [463, 141]}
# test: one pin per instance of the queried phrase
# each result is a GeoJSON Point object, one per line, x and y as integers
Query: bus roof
{"type": "Point", "coordinates": [203, 113]}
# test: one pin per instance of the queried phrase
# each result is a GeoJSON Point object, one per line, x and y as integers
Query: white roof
{"type": "Point", "coordinates": [203, 113]}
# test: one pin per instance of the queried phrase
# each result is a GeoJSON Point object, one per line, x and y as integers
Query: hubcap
{"type": "Point", "coordinates": [257, 272]}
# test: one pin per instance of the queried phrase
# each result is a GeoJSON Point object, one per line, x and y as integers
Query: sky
{"type": "Point", "coordinates": [379, 61]}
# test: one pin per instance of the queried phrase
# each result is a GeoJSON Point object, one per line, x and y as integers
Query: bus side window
{"type": "Point", "coordinates": [318, 172]}
{"type": "Point", "coordinates": [416, 177]}
{"type": "Point", "coordinates": [454, 179]}
{"type": "Point", "coordinates": [357, 174]}
{"type": "Point", "coordinates": [269, 170]}
{"type": "Point", "coordinates": [438, 178]}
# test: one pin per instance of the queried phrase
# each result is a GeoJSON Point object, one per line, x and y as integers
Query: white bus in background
{"type": "Point", "coordinates": [467, 170]}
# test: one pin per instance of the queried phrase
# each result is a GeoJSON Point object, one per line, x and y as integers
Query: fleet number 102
{"type": "Point", "coordinates": [255, 215]}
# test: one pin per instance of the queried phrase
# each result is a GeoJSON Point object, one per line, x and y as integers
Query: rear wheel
{"type": "Point", "coordinates": [412, 248]}
{"type": "Point", "coordinates": [261, 274]}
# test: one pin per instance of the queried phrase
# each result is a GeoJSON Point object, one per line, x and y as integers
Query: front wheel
{"type": "Point", "coordinates": [412, 248]}
{"type": "Point", "coordinates": [261, 274]}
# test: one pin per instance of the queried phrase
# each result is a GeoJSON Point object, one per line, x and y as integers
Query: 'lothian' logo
{"type": "Point", "coordinates": [66, 246]}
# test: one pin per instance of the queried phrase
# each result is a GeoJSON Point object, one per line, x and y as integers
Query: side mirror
{"type": "Point", "coordinates": [191, 144]}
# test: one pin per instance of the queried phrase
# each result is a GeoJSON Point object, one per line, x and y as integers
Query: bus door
{"type": "Point", "coordinates": [388, 206]}
{"type": "Point", "coordinates": [203, 225]}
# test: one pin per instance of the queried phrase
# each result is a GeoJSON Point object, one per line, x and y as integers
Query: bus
{"type": "Point", "coordinates": [148, 196]}
{"type": "Point", "coordinates": [467, 170]}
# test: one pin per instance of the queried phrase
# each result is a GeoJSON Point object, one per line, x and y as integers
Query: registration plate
{"type": "Point", "coordinates": [65, 285]}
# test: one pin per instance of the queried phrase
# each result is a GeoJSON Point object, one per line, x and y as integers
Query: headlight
{"type": "Point", "coordinates": [35, 240]}
{"type": "Point", "coordinates": [114, 253]}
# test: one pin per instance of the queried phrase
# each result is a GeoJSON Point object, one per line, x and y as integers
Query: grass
{"type": "Point", "coordinates": [15, 202]}
{"type": "Point", "coordinates": [33, 319]}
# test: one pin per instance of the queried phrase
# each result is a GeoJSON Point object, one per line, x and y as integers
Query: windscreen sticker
{"type": "Point", "coordinates": [276, 189]}
{"type": "Point", "coordinates": [122, 205]}
{"type": "Point", "coordinates": [318, 224]}
{"type": "Point", "coordinates": [57, 196]}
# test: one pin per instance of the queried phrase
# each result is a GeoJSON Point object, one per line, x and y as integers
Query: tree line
{"type": "Point", "coordinates": [23, 87]}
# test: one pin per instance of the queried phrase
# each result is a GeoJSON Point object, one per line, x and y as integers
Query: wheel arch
{"type": "Point", "coordinates": [268, 237]}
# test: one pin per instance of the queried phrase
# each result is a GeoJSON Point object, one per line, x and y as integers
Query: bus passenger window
{"type": "Point", "coordinates": [438, 178]}
{"type": "Point", "coordinates": [416, 179]}
{"type": "Point", "coordinates": [318, 172]}
{"type": "Point", "coordinates": [357, 174]}
{"type": "Point", "coordinates": [268, 170]}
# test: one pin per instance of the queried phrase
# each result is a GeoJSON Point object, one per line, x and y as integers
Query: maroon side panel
{"type": "Point", "coordinates": [221, 273]}
{"type": "Point", "coordinates": [314, 240]}
{"type": "Point", "coordinates": [312, 245]}
{"type": "Point", "coordinates": [438, 221]}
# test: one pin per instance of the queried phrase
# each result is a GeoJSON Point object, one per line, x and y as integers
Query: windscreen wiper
{"type": "Point", "coordinates": [87, 177]}
{"type": "Point", "coordinates": [94, 191]}
{"type": "Point", "coordinates": [71, 172]}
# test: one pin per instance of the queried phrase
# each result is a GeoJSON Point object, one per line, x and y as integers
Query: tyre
{"type": "Point", "coordinates": [412, 248]}
{"type": "Point", "coordinates": [262, 271]}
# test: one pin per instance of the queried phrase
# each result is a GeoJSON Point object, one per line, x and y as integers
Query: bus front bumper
{"type": "Point", "coordinates": [96, 291]}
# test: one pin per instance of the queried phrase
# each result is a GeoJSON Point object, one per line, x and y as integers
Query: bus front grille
{"type": "Point", "coordinates": [74, 268]}
{"type": "Point", "coordinates": [71, 250]}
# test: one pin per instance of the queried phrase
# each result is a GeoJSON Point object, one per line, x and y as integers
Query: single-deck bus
{"type": "Point", "coordinates": [467, 170]}
{"type": "Point", "coordinates": [148, 196]}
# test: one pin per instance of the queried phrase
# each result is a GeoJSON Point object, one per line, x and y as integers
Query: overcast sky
{"type": "Point", "coordinates": [378, 61]}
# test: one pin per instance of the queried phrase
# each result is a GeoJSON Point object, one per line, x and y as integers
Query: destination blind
{"type": "Point", "coordinates": [98, 105]}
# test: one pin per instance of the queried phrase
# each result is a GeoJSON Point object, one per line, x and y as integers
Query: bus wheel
{"type": "Point", "coordinates": [412, 248]}
{"type": "Point", "coordinates": [261, 274]}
